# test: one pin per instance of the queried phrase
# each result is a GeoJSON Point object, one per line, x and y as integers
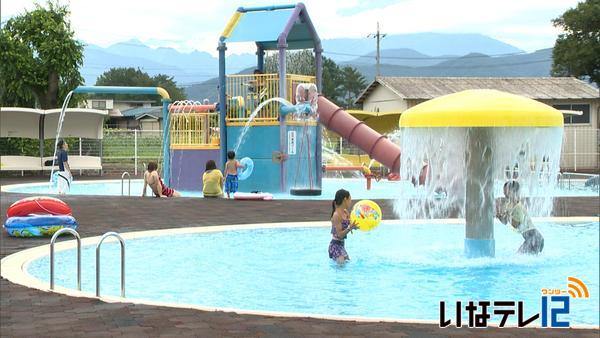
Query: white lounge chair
{"type": "Point", "coordinates": [9, 162]}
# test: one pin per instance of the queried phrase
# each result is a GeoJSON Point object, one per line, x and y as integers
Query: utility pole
{"type": "Point", "coordinates": [377, 36]}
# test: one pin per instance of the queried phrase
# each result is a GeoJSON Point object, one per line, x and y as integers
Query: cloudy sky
{"type": "Point", "coordinates": [196, 24]}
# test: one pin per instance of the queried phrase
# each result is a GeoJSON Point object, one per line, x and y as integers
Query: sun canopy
{"type": "Point", "coordinates": [25, 122]}
{"type": "Point", "coordinates": [79, 122]}
{"type": "Point", "coordinates": [20, 122]}
{"type": "Point", "coordinates": [269, 26]}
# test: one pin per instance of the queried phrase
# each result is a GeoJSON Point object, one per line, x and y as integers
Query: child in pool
{"type": "Point", "coordinates": [231, 178]}
{"type": "Point", "coordinates": [515, 214]}
{"type": "Point", "coordinates": [340, 226]}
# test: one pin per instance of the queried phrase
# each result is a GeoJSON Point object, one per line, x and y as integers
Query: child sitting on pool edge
{"type": "Point", "coordinates": [340, 226]}
{"type": "Point", "coordinates": [231, 167]}
{"type": "Point", "coordinates": [514, 213]}
{"type": "Point", "coordinates": [152, 179]}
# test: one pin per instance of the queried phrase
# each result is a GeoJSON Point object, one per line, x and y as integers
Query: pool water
{"type": "Point", "coordinates": [380, 190]}
{"type": "Point", "coordinates": [399, 271]}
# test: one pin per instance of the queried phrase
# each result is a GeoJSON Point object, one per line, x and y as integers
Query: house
{"type": "Point", "coordinates": [580, 102]}
{"type": "Point", "coordinates": [129, 114]}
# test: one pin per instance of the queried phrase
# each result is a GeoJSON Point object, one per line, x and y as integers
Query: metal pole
{"type": "Point", "coordinates": [135, 152]}
{"type": "Point", "coordinates": [80, 154]}
{"type": "Point", "coordinates": [222, 104]}
{"type": "Point", "coordinates": [282, 126]}
{"type": "Point", "coordinates": [575, 149]}
{"type": "Point", "coordinates": [166, 142]}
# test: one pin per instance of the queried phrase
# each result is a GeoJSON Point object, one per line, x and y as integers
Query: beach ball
{"type": "Point", "coordinates": [367, 215]}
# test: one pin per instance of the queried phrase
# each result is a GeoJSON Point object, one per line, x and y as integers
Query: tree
{"type": "Point", "coordinates": [577, 50]}
{"type": "Point", "coordinates": [303, 63]}
{"type": "Point", "coordinates": [352, 84]}
{"type": "Point", "coordinates": [137, 78]}
{"type": "Point", "coordinates": [40, 58]}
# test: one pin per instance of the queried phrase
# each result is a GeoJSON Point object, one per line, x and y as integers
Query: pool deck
{"type": "Point", "coordinates": [26, 312]}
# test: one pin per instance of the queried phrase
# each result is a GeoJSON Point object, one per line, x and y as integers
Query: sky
{"type": "Point", "coordinates": [188, 25]}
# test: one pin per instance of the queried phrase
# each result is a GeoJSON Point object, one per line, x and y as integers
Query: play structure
{"type": "Point", "coordinates": [283, 137]}
{"type": "Point", "coordinates": [273, 119]}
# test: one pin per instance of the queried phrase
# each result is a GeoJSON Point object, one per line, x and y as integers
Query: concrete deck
{"type": "Point", "coordinates": [27, 312]}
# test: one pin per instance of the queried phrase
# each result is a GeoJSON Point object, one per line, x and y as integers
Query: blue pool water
{"type": "Point", "coordinates": [380, 190]}
{"type": "Point", "coordinates": [397, 270]}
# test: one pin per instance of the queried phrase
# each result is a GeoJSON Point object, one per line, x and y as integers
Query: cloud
{"type": "Point", "coordinates": [188, 25]}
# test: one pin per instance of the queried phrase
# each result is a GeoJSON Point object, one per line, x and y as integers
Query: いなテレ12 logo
{"type": "Point", "coordinates": [555, 302]}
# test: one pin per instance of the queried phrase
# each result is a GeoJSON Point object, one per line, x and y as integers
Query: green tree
{"type": "Point", "coordinates": [303, 63]}
{"type": "Point", "coordinates": [137, 78]}
{"type": "Point", "coordinates": [40, 58]}
{"type": "Point", "coordinates": [577, 50]}
{"type": "Point", "coordinates": [352, 84]}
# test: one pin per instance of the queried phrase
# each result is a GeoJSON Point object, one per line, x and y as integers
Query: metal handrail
{"type": "Point", "coordinates": [54, 237]}
{"type": "Point", "coordinates": [122, 242]}
{"type": "Point", "coordinates": [122, 179]}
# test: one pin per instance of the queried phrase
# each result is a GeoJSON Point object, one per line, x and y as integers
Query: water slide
{"type": "Point", "coordinates": [377, 146]}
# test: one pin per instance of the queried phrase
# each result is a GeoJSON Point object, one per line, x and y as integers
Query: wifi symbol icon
{"type": "Point", "coordinates": [577, 288]}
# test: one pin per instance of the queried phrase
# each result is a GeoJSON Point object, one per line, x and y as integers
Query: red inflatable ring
{"type": "Point", "coordinates": [38, 205]}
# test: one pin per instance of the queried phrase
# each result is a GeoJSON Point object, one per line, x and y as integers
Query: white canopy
{"type": "Point", "coordinates": [25, 122]}
{"type": "Point", "coordinates": [20, 122]}
{"type": "Point", "coordinates": [79, 122]}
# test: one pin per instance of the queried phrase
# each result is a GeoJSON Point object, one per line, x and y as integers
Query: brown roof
{"type": "Point", "coordinates": [538, 88]}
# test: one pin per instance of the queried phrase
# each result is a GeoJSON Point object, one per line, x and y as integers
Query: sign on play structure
{"type": "Point", "coordinates": [292, 142]}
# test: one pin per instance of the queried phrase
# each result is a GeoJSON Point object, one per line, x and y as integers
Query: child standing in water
{"type": "Point", "coordinates": [514, 213]}
{"type": "Point", "coordinates": [340, 226]}
{"type": "Point", "coordinates": [231, 178]}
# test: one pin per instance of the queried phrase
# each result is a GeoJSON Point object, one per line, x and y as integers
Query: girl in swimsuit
{"type": "Point", "coordinates": [152, 179]}
{"type": "Point", "coordinates": [340, 226]}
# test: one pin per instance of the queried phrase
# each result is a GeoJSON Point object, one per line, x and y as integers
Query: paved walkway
{"type": "Point", "coordinates": [26, 312]}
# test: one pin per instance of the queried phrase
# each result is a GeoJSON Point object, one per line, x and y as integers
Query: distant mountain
{"type": "Point", "coordinates": [471, 65]}
{"type": "Point", "coordinates": [538, 63]}
{"type": "Point", "coordinates": [196, 67]}
{"type": "Point", "coordinates": [433, 44]}
{"type": "Point", "coordinates": [399, 57]}
{"type": "Point", "coordinates": [186, 68]}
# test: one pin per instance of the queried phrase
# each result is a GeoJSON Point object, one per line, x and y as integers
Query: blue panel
{"type": "Point", "coordinates": [260, 26]}
{"type": "Point", "coordinates": [259, 141]}
{"type": "Point", "coordinates": [259, 144]}
{"type": "Point", "coordinates": [265, 177]}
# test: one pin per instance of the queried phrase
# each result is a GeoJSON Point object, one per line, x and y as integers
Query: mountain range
{"type": "Point", "coordinates": [421, 54]}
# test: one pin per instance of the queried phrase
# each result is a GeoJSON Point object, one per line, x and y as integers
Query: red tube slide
{"type": "Point", "coordinates": [377, 146]}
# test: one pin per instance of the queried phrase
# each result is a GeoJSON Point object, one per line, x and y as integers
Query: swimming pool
{"type": "Point", "coordinates": [383, 189]}
{"type": "Point", "coordinates": [401, 270]}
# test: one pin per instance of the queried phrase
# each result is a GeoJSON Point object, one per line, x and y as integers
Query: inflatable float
{"type": "Point", "coordinates": [253, 196]}
{"type": "Point", "coordinates": [246, 171]}
{"type": "Point", "coordinates": [38, 225]}
{"type": "Point", "coordinates": [38, 205]}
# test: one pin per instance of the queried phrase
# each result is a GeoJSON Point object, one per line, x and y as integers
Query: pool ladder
{"type": "Point", "coordinates": [76, 234]}
{"type": "Point", "coordinates": [122, 181]}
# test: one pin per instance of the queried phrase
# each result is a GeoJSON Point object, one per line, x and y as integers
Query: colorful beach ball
{"type": "Point", "coordinates": [367, 215]}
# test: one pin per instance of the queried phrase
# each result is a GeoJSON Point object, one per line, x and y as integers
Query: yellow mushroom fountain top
{"type": "Point", "coordinates": [481, 108]}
